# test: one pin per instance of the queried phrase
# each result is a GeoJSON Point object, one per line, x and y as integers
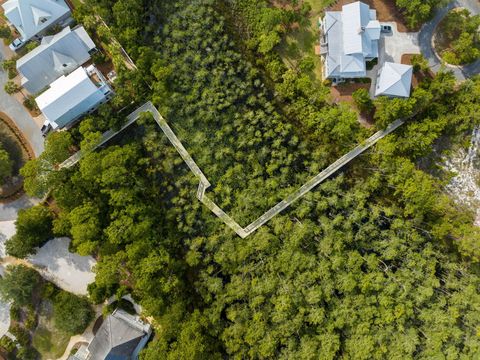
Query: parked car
{"type": "Point", "coordinates": [16, 44]}
{"type": "Point", "coordinates": [386, 29]}
{"type": "Point", "coordinates": [46, 128]}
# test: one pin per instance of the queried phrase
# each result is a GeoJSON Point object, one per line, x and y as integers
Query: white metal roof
{"type": "Point", "coordinates": [352, 35]}
{"type": "Point", "coordinates": [65, 93]}
{"type": "Point", "coordinates": [355, 17]}
{"type": "Point", "coordinates": [32, 16]}
{"type": "Point", "coordinates": [57, 55]}
{"type": "Point", "coordinates": [395, 80]}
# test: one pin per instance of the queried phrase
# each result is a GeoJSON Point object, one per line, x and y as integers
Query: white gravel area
{"type": "Point", "coordinates": [67, 270]}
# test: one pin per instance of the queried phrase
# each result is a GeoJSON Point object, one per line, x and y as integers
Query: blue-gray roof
{"type": "Point", "coordinates": [57, 55]}
{"type": "Point", "coordinates": [352, 35]}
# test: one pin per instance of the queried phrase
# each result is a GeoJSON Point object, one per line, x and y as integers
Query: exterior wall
{"type": "Point", "coordinates": [89, 105]}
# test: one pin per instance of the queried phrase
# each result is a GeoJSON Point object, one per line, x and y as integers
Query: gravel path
{"type": "Point", "coordinates": [428, 30]}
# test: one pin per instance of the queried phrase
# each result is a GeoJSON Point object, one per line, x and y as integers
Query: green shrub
{"type": "Point", "coordinates": [11, 87]}
{"type": "Point", "coordinates": [362, 100]}
{"type": "Point", "coordinates": [5, 33]}
{"type": "Point", "coordinates": [7, 344]}
{"type": "Point", "coordinates": [22, 335]}
{"type": "Point", "coordinates": [30, 103]}
{"type": "Point", "coordinates": [72, 313]}
{"type": "Point", "coordinates": [19, 285]}
{"type": "Point", "coordinates": [6, 165]}
{"type": "Point", "coordinates": [34, 228]}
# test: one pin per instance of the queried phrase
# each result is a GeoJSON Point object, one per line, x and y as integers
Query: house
{"type": "Point", "coordinates": [394, 80]}
{"type": "Point", "coordinates": [69, 97]}
{"type": "Point", "coordinates": [349, 38]}
{"type": "Point", "coordinates": [57, 55]}
{"type": "Point", "coordinates": [32, 17]}
{"type": "Point", "coordinates": [120, 337]}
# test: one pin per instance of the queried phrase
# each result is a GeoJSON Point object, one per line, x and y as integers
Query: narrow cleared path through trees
{"type": "Point", "coordinates": [205, 184]}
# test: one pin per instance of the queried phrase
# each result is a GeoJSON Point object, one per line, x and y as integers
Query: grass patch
{"type": "Point", "coordinates": [50, 344]}
{"type": "Point", "coordinates": [300, 41]}
{"type": "Point", "coordinates": [47, 339]}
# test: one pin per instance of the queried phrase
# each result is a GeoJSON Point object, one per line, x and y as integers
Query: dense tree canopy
{"type": "Point", "coordinates": [377, 262]}
{"type": "Point", "coordinates": [34, 228]}
{"type": "Point", "coordinates": [19, 285]}
{"type": "Point", "coordinates": [72, 313]}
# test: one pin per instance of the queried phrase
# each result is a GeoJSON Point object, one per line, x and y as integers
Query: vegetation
{"type": "Point", "coordinates": [418, 12]}
{"type": "Point", "coordinates": [19, 285]}
{"type": "Point", "coordinates": [72, 314]}
{"type": "Point", "coordinates": [11, 88]}
{"type": "Point", "coordinates": [39, 331]}
{"type": "Point", "coordinates": [6, 33]}
{"type": "Point", "coordinates": [11, 67]}
{"type": "Point", "coordinates": [6, 165]}
{"type": "Point", "coordinates": [34, 228]}
{"type": "Point", "coordinates": [457, 37]}
{"type": "Point", "coordinates": [375, 263]}
{"type": "Point", "coordinates": [362, 100]}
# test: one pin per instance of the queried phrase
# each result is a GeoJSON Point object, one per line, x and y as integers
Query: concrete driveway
{"type": "Point", "coordinates": [396, 43]}
{"type": "Point", "coordinates": [428, 30]}
{"type": "Point", "coordinates": [9, 210]}
{"type": "Point", "coordinates": [15, 110]}
{"type": "Point", "coordinates": [67, 270]}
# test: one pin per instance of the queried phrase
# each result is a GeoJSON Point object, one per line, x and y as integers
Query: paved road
{"type": "Point", "coordinates": [10, 106]}
{"type": "Point", "coordinates": [9, 210]}
{"type": "Point", "coordinates": [427, 32]}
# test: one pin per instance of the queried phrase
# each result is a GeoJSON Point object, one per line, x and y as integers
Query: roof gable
{"type": "Point", "coordinates": [355, 17]}
{"type": "Point", "coordinates": [39, 15]}
{"type": "Point", "coordinates": [33, 16]}
{"type": "Point", "coordinates": [45, 63]}
{"type": "Point", "coordinates": [395, 80]}
{"type": "Point", "coordinates": [117, 338]}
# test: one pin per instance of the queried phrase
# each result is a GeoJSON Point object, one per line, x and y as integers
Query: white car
{"type": "Point", "coordinates": [16, 44]}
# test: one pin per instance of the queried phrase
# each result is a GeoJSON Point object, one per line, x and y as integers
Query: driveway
{"type": "Point", "coordinates": [428, 30]}
{"type": "Point", "coordinates": [397, 43]}
{"type": "Point", "coordinates": [54, 261]}
{"type": "Point", "coordinates": [67, 270]}
{"type": "Point", "coordinates": [15, 110]}
{"type": "Point", "coordinates": [9, 210]}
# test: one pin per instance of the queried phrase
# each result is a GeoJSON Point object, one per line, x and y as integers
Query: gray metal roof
{"type": "Point", "coordinates": [352, 36]}
{"type": "Point", "coordinates": [31, 17]}
{"type": "Point", "coordinates": [57, 55]}
{"type": "Point", "coordinates": [394, 80]}
{"type": "Point", "coordinates": [118, 338]}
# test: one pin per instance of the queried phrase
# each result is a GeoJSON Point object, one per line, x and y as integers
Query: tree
{"type": "Point", "coordinates": [71, 313]}
{"type": "Point", "coordinates": [363, 100]}
{"type": "Point", "coordinates": [34, 228]}
{"type": "Point", "coordinates": [41, 174]}
{"type": "Point", "coordinates": [419, 63]}
{"type": "Point", "coordinates": [6, 164]}
{"type": "Point", "coordinates": [20, 284]}
{"type": "Point", "coordinates": [11, 88]}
